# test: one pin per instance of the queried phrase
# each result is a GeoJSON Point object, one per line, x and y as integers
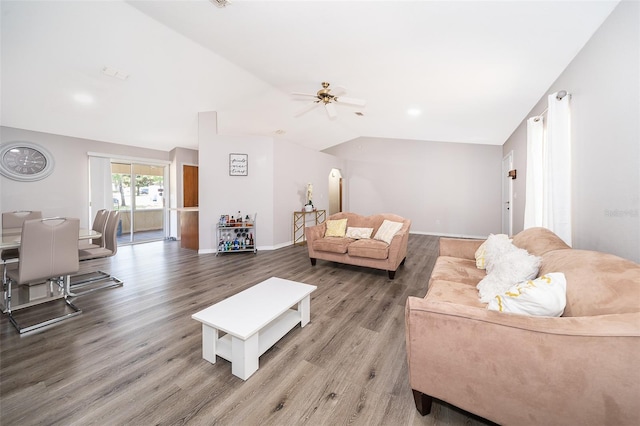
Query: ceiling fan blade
{"type": "Point", "coordinates": [351, 101]}
{"type": "Point", "coordinates": [331, 110]}
{"type": "Point", "coordinates": [304, 94]}
{"type": "Point", "coordinates": [307, 108]}
{"type": "Point", "coordinates": [338, 90]}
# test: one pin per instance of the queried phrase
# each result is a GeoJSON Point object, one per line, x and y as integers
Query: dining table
{"type": "Point", "coordinates": [11, 240]}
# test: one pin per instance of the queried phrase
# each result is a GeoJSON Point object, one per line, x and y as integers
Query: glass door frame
{"type": "Point", "coordinates": [135, 192]}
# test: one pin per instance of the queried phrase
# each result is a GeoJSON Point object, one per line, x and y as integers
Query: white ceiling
{"type": "Point", "coordinates": [474, 69]}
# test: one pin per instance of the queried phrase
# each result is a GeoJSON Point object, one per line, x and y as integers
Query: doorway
{"type": "Point", "coordinates": [335, 191]}
{"type": "Point", "coordinates": [507, 195]}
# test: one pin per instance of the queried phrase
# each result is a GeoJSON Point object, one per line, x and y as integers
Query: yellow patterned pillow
{"type": "Point", "coordinates": [480, 257]}
{"type": "Point", "coordinates": [544, 296]}
{"type": "Point", "coordinates": [336, 228]}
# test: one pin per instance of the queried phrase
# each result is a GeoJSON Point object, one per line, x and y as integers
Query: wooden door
{"type": "Point", "coordinates": [189, 220]}
{"type": "Point", "coordinates": [190, 186]}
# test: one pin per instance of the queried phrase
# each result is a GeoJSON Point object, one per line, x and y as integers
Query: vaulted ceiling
{"type": "Point", "coordinates": [471, 70]}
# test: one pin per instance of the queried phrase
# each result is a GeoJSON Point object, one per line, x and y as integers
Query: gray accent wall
{"type": "Point", "coordinates": [66, 191]}
{"type": "Point", "coordinates": [445, 188]}
{"type": "Point", "coordinates": [604, 82]}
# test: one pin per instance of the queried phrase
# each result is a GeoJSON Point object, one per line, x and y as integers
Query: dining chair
{"type": "Point", "coordinates": [48, 254]}
{"type": "Point", "coordinates": [104, 279]}
{"type": "Point", "coordinates": [99, 223]}
{"type": "Point", "coordinates": [12, 225]}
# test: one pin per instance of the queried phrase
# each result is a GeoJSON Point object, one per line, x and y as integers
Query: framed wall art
{"type": "Point", "coordinates": [238, 164]}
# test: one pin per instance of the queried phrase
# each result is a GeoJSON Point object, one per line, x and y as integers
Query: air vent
{"type": "Point", "coordinates": [221, 3]}
{"type": "Point", "coordinates": [112, 72]}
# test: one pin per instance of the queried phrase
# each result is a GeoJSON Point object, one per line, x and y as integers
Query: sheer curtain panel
{"type": "Point", "coordinates": [533, 206]}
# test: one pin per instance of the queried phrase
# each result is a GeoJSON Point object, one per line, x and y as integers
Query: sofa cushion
{"type": "Point", "coordinates": [332, 244]}
{"type": "Point", "coordinates": [387, 230]}
{"type": "Point", "coordinates": [358, 233]}
{"type": "Point", "coordinates": [372, 249]}
{"type": "Point", "coordinates": [538, 241]}
{"type": "Point", "coordinates": [597, 283]}
{"type": "Point", "coordinates": [336, 228]}
{"type": "Point", "coordinates": [457, 269]}
{"type": "Point", "coordinates": [453, 292]}
{"type": "Point", "coordinates": [544, 296]}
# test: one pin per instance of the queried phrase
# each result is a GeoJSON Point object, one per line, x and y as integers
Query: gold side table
{"type": "Point", "coordinates": [300, 222]}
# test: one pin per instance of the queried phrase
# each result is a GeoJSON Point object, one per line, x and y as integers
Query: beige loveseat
{"type": "Point", "coordinates": [578, 369]}
{"type": "Point", "coordinates": [368, 252]}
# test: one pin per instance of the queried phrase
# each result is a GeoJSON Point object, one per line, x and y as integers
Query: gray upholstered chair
{"type": "Point", "coordinates": [12, 225]}
{"type": "Point", "coordinates": [110, 239]}
{"type": "Point", "coordinates": [48, 254]}
{"type": "Point", "coordinates": [99, 223]}
{"type": "Point", "coordinates": [98, 280]}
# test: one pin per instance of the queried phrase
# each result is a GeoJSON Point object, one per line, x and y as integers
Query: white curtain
{"type": "Point", "coordinates": [558, 156]}
{"type": "Point", "coordinates": [534, 200]}
{"type": "Point", "coordinates": [548, 185]}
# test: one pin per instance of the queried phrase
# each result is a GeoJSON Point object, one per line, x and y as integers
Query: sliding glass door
{"type": "Point", "coordinates": [138, 192]}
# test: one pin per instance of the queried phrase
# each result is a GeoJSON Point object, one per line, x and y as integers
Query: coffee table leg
{"type": "Point", "coordinates": [304, 307]}
{"type": "Point", "coordinates": [209, 339]}
{"type": "Point", "coordinates": [244, 356]}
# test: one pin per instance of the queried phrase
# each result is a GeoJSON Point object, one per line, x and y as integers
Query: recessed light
{"type": "Point", "coordinates": [414, 112]}
{"type": "Point", "coordinates": [83, 98]}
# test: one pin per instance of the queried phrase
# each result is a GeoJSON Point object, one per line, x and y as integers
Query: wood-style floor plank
{"type": "Point", "coordinates": [134, 355]}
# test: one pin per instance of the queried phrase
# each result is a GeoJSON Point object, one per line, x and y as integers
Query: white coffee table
{"type": "Point", "coordinates": [253, 320]}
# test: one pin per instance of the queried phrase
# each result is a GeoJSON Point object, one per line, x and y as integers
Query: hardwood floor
{"type": "Point", "coordinates": [133, 357]}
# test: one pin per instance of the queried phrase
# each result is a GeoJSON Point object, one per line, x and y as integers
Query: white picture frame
{"type": "Point", "coordinates": [238, 164]}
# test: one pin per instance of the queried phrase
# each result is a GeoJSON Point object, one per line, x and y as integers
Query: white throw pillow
{"type": "Point", "coordinates": [512, 266]}
{"type": "Point", "coordinates": [544, 296]}
{"type": "Point", "coordinates": [481, 252]}
{"type": "Point", "coordinates": [387, 230]}
{"type": "Point", "coordinates": [496, 246]}
{"type": "Point", "coordinates": [359, 233]}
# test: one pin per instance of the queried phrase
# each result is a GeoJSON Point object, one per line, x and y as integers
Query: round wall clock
{"type": "Point", "coordinates": [25, 161]}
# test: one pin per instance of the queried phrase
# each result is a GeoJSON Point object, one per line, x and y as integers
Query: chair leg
{"type": "Point", "coordinates": [90, 278]}
{"type": "Point", "coordinates": [65, 286]}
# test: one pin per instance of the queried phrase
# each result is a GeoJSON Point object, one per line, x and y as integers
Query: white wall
{"type": "Point", "coordinates": [66, 191]}
{"type": "Point", "coordinates": [220, 193]}
{"type": "Point", "coordinates": [294, 167]}
{"type": "Point", "coordinates": [604, 81]}
{"type": "Point", "coordinates": [278, 172]}
{"type": "Point", "coordinates": [444, 188]}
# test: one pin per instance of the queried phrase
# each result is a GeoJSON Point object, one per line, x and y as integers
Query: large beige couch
{"type": "Point", "coordinates": [370, 253]}
{"type": "Point", "coordinates": [578, 369]}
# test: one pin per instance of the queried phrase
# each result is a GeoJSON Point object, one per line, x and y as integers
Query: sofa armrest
{"type": "Point", "coordinates": [511, 369]}
{"type": "Point", "coordinates": [399, 245]}
{"type": "Point", "coordinates": [315, 232]}
{"type": "Point", "coordinates": [459, 247]}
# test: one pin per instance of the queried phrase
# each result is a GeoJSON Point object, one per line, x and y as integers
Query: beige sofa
{"type": "Point", "coordinates": [578, 369]}
{"type": "Point", "coordinates": [370, 253]}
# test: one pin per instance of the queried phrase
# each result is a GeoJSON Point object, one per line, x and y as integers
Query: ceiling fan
{"type": "Point", "coordinates": [326, 98]}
